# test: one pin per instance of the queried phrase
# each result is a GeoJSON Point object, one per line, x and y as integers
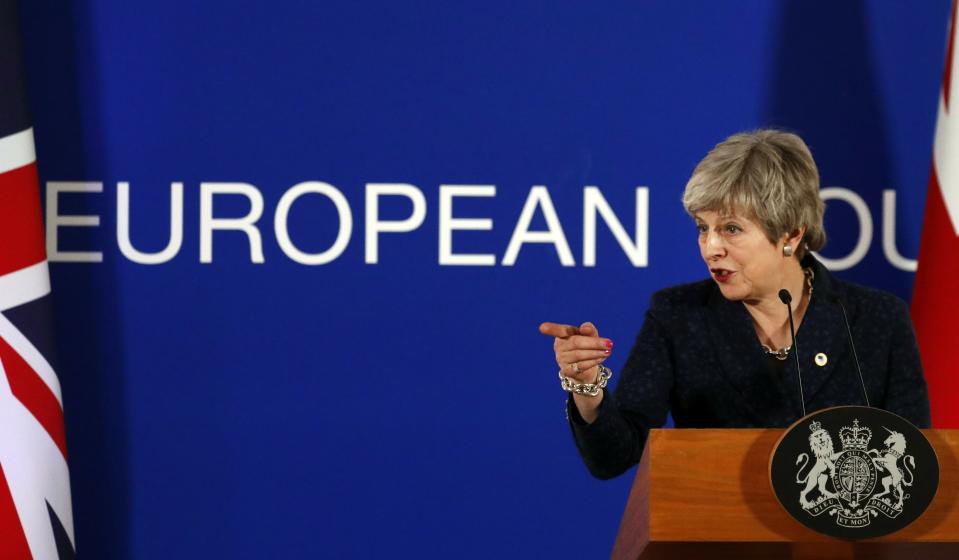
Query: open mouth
{"type": "Point", "coordinates": [721, 274]}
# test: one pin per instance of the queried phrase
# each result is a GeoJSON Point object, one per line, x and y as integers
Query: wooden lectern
{"type": "Point", "coordinates": [706, 494]}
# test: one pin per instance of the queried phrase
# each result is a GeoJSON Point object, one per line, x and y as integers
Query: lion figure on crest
{"type": "Point", "coordinates": [821, 444]}
{"type": "Point", "coordinates": [888, 461]}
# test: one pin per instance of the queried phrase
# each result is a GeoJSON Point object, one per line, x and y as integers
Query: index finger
{"type": "Point", "coordinates": [558, 330]}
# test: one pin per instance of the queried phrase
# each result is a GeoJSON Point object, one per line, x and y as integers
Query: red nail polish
{"type": "Point", "coordinates": [609, 345]}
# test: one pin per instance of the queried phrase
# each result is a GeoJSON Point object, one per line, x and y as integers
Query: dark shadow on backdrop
{"type": "Point", "coordinates": [823, 87]}
{"type": "Point", "coordinates": [60, 73]}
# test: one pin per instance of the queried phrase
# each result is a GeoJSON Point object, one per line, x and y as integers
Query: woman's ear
{"type": "Point", "coordinates": [794, 238]}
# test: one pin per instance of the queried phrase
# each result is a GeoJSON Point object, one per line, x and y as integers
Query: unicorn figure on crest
{"type": "Point", "coordinates": [888, 460]}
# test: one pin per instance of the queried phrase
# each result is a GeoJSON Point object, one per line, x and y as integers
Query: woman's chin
{"type": "Point", "coordinates": [732, 293]}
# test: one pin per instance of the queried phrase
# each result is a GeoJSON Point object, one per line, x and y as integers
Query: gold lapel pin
{"type": "Point", "coordinates": [821, 359]}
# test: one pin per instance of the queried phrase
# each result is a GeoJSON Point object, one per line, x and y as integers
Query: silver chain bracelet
{"type": "Point", "coordinates": [588, 389]}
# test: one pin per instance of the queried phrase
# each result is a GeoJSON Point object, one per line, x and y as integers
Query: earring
{"type": "Point", "coordinates": [787, 250]}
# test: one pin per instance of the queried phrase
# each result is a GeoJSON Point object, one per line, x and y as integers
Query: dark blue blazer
{"type": "Point", "coordinates": [698, 357]}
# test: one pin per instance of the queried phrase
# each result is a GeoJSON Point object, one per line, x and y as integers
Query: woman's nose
{"type": "Point", "coordinates": [714, 245]}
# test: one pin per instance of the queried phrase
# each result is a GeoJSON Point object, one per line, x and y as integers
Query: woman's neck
{"type": "Point", "coordinates": [769, 313]}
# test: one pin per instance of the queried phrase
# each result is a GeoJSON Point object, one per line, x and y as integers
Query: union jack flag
{"type": "Point", "coordinates": [36, 516]}
{"type": "Point", "coordinates": [938, 265]}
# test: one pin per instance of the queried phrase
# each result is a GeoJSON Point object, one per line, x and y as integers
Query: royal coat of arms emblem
{"type": "Point", "coordinates": [865, 488]}
{"type": "Point", "coordinates": [845, 480]}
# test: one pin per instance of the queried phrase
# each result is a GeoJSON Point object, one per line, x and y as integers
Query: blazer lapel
{"type": "Point", "coordinates": [822, 332]}
{"type": "Point", "coordinates": [740, 358]}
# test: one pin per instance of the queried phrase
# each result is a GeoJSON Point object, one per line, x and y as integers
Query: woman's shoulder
{"type": "Point", "coordinates": [867, 295]}
{"type": "Point", "coordinates": [866, 301]}
{"type": "Point", "coordinates": [858, 296]}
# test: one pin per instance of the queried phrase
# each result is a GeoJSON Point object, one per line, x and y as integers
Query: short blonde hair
{"type": "Point", "coordinates": [767, 174]}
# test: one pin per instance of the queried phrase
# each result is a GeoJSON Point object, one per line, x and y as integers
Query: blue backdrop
{"type": "Point", "coordinates": [220, 404]}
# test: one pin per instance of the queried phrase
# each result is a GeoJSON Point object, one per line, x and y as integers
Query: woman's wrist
{"type": "Point", "coordinates": [588, 407]}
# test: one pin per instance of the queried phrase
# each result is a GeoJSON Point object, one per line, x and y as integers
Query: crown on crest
{"type": "Point", "coordinates": [815, 426]}
{"type": "Point", "coordinates": [855, 437]}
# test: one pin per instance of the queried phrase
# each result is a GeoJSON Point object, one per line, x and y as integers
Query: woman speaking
{"type": "Point", "coordinates": [717, 353]}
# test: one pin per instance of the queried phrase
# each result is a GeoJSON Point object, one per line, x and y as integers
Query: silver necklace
{"type": "Point", "coordinates": [783, 353]}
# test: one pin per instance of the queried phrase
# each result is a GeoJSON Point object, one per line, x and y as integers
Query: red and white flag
{"type": "Point", "coordinates": [937, 277]}
{"type": "Point", "coordinates": [36, 515]}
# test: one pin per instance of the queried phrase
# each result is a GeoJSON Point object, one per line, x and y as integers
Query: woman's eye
{"type": "Point", "coordinates": [732, 228]}
{"type": "Point", "coordinates": [701, 228]}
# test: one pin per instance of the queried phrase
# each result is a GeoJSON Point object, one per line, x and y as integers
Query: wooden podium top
{"type": "Point", "coordinates": [712, 486]}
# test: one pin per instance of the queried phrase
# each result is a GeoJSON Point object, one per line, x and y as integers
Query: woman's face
{"type": "Point", "coordinates": [741, 259]}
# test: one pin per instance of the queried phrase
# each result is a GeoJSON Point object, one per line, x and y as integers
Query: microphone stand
{"type": "Point", "coordinates": [786, 298]}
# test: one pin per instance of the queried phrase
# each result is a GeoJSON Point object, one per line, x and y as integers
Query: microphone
{"type": "Point", "coordinates": [836, 299]}
{"type": "Point", "coordinates": [787, 299]}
